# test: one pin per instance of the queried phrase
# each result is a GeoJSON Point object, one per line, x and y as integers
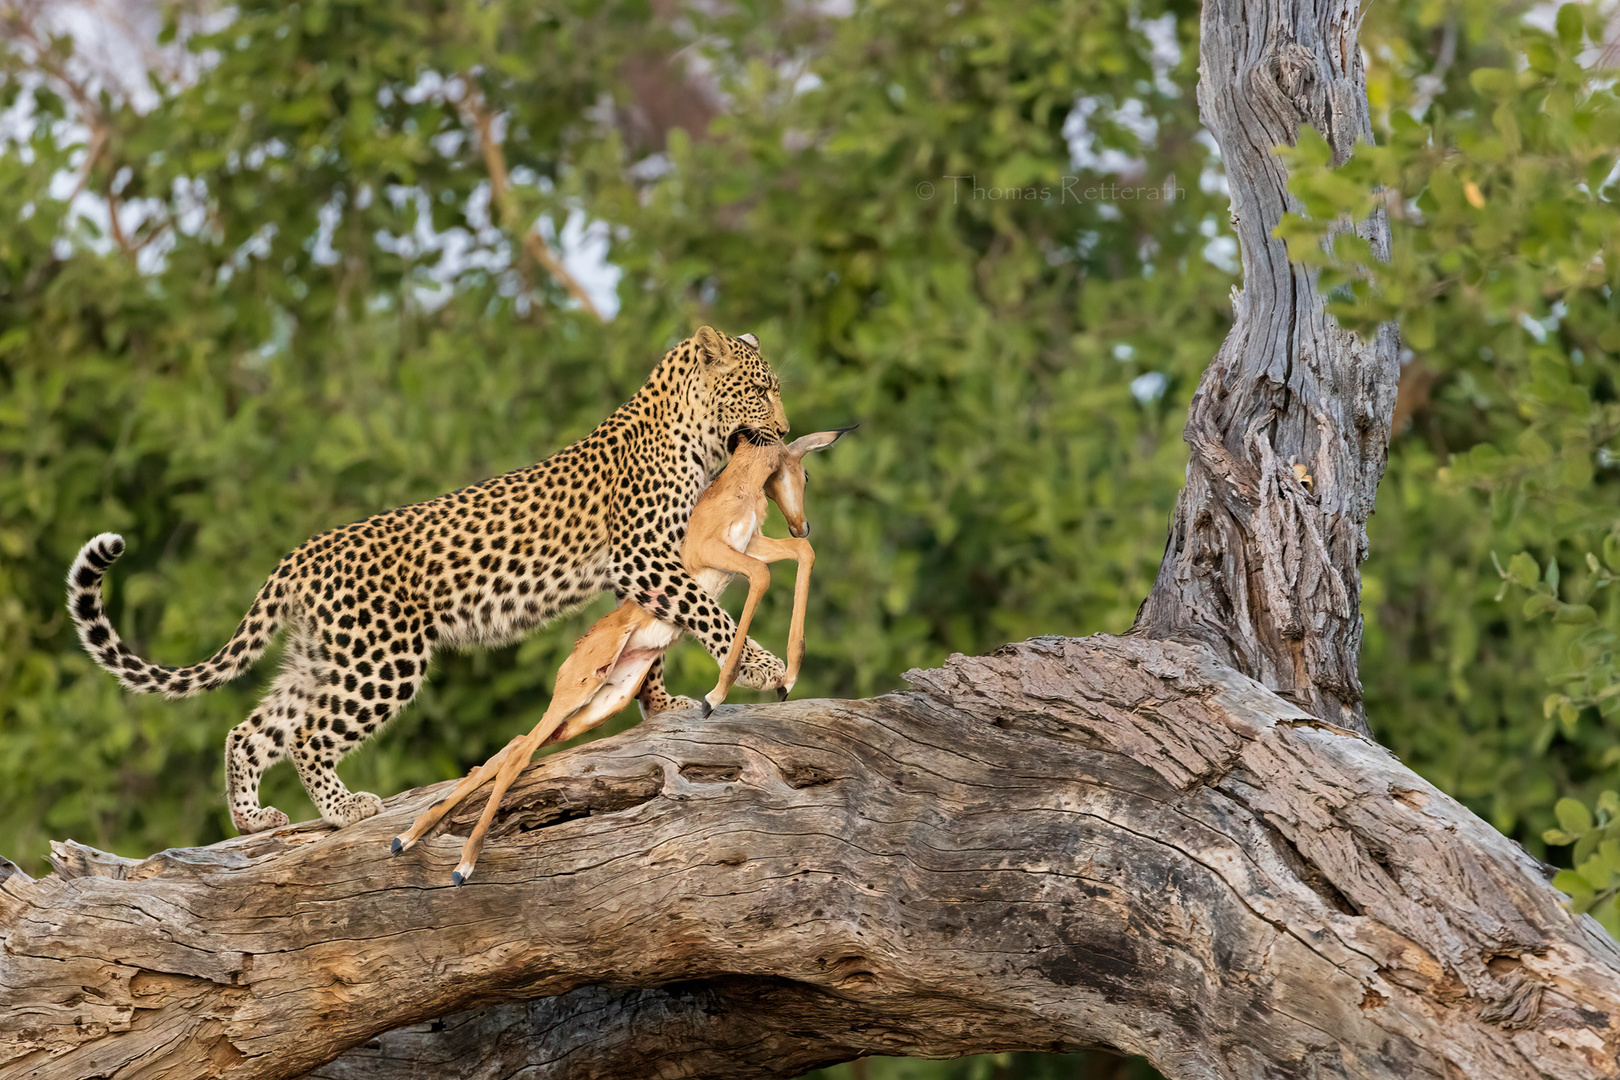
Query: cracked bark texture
{"type": "Point", "coordinates": [1104, 842]}
{"type": "Point", "coordinates": [1289, 428]}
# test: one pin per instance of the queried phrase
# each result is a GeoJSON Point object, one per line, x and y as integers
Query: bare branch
{"type": "Point", "coordinates": [21, 26]}
{"type": "Point", "coordinates": [476, 111]}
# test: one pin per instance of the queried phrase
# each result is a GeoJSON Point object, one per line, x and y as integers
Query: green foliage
{"type": "Point", "coordinates": [1594, 884]}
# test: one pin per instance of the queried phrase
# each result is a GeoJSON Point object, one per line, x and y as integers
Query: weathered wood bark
{"type": "Point", "coordinates": [1110, 842]}
{"type": "Point", "coordinates": [1262, 561]}
{"type": "Point", "coordinates": [717, 1028]}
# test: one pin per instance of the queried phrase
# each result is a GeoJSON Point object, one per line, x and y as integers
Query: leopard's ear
{"type": "Point", "coordinates": [714, 350]}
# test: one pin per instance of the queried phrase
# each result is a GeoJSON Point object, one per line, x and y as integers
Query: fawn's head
{"type": "Point", "coordinates": [785, 487]}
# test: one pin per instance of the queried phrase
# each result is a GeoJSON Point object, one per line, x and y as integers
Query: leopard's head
{"type": "Point", "coordinates": [741, 388]}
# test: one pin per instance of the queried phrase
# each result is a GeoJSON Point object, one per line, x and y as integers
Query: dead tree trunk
{"type": "Point", "coordinates": [1119, 843]}
{"type": "Point", "coordinates": [1107, 842]}
{"type": "Point", "coordinates": [1289, 429]}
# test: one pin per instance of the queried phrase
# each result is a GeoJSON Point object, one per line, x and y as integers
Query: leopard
{"type": "Point", "coordinates": [365, 606]}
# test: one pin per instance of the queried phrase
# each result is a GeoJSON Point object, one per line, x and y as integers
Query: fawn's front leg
{"type": "Point", "coordinates": [720, 555]}
{"type": "Point", "coordinates": [768, 549]}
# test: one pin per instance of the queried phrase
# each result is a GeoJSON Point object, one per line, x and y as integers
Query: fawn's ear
{"type": "Point", "coordinates": [714, 350]}
{"type": "Point", "coordinates": [819, 440]}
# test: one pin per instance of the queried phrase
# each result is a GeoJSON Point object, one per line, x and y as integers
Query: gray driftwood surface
{"type": "Point", "coordinates": [1174, 844]}
{"type": "Point", "coordinates": [1111, 842]}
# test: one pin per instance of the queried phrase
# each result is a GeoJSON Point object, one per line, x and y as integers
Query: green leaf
{"type": "Point", "coordinates": [1538, 604]}
{"type": "Point", "coordinates": [1569, 26]}
{"type": "Point", "coordinates": [1523, 570]}
{"type": "Point", "coordinates": [1608, 856]}
{"type": "Point", "coordinates": [1494, 83]}
{"type": "Point", "coordinates": [1417, 327]}
{"type": "Point", "coordinates": [1575, 614]}
{"type": "Point", "coordinates": [1311, 150]}
{"type": "Point", "coordinates": [1573, 816]}
{"type": "Point", "coordinates": [1572, 883]}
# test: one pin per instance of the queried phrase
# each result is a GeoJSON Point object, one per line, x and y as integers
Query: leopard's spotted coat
{"type": "Point", "coordinates": [366, 605]}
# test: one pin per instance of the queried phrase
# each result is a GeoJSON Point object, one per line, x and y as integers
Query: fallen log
{"type": "Point", "coordinates": [1105, 842]}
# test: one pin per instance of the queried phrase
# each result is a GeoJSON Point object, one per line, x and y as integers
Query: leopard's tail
{"type": "Point", "coordinates": [105, 647]}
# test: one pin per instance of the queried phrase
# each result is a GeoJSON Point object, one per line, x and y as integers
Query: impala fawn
{"type": "Point", "coordinates": [607, 667]}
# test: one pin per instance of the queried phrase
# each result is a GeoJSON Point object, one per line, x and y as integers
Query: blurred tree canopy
{"type": "Point", "coordinates": [318, 276]}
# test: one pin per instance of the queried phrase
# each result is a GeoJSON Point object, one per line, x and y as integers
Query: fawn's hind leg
{"type": "Point", "coordinates": [595, 701]}
{"type": "Point", "coordinates": [435, 813]}
{"type": "Point", "coordinates": [522, 751]}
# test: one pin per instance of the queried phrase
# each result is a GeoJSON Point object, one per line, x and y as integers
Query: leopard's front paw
{"type": "Point", "coordinates": [760, 670]}
{"type": "Point", "coordinates": [357, 807]}
{"type": "Point", "coordinates": [256, 821]}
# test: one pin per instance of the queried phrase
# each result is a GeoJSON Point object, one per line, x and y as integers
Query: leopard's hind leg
{"type": "Point", "coordinates": [253, 746]}
{"type": "Point", "coordinates": [655, 697]}
{"type": "Point", "coordinates": [359, 688]}
{"type": "Point", "coordinates": [317, 748]}
{"type": "Point", "coordinates": [266, 737]}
